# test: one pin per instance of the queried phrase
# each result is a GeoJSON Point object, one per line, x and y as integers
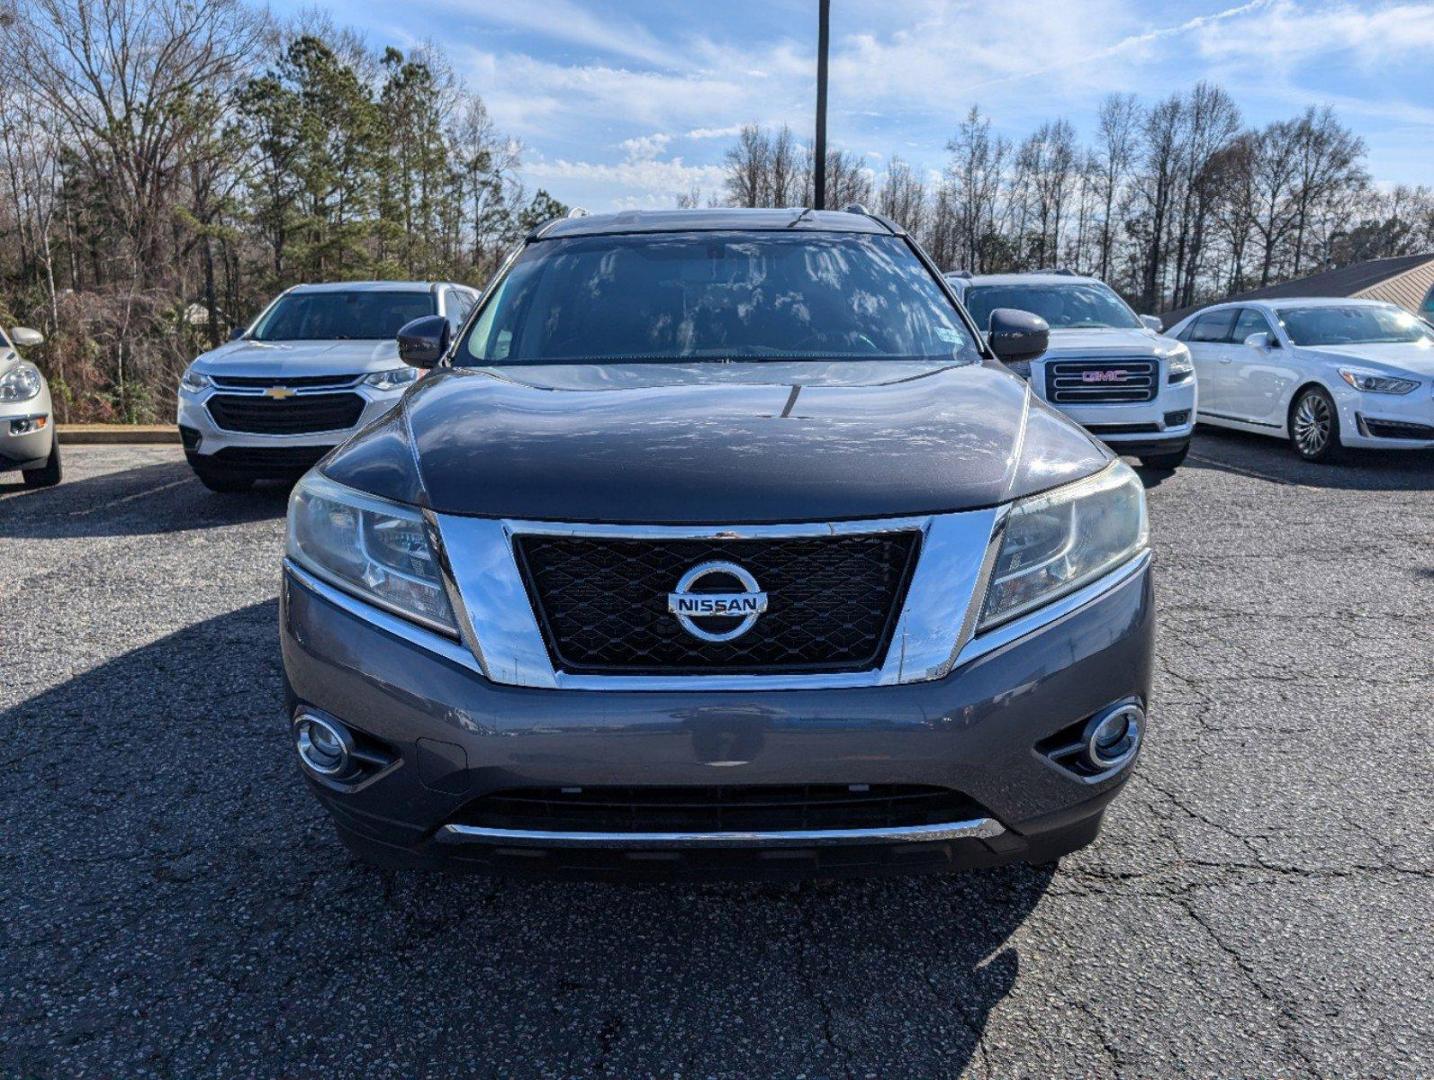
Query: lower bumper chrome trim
{"type": "Point", "coordinates": [976, 828]}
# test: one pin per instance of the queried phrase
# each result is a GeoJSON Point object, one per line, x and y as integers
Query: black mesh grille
{"type": "Point", "coordinates": [1101, 382]}
{"type": "Point", "coordinates": [832, 603]}
{"type": "Point", "coordinates": [1394, 429]}
{"type": "Point", "coordinates": [719, 809]}
{"type": "Point", "coordinates": [291, 416]}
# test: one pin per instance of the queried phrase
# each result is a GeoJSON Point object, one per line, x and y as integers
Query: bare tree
{"type": "Point", "coordinates": [1118, 129]}
{"type": "Point", "coordinates": [903, 196]}
{"type": "Point", "coordinates": [748, 164]}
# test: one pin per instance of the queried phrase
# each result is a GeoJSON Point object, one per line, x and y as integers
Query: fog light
{"type": "Point", "coordinates": [1113, 736]}
{"type": "Point", "coordinates": [324, 745]}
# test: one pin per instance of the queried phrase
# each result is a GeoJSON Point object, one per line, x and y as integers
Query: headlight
{"type": "Point", "coordinates": [1372, 383]}
{"type": "Point", "coordinates": [371, 547]}
{"type": "Point", "coordinates": [393, 378]}
{"type": "Point", "coordinates": [1181, 367]}
{"type": "Point", "coordinates": [21, 384]}
{"type": "Point", "coordinates": [1052, 544]}
{"type": "Point", "coordinates": [194, 381]}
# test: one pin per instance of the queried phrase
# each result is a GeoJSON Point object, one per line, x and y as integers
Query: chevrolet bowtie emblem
{"type": "Point", "coordinates": [279, 393]}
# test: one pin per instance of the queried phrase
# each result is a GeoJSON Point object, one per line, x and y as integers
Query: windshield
{"type": "Point", "coordinates": [1083, 306]}
{"type": "Point", "coordinates": [718, 296]}
{"type": "Point", "coordinates": [1362, 324]}
{"type": "Point", "coordinates": [336, 316]}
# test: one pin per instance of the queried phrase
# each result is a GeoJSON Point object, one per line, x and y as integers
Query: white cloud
{"type": "Point", "coordinates": [664, 178]}
{"type": "Point", "coordinates": [731, 131]}
{"type": "Point", "coordinates": [645, 147]}
{"type": "Point", "coordinates": [563, 20]}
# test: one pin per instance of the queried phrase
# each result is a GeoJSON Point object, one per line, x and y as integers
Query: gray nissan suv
{"type": "Point", "coordinates": [721, 545]}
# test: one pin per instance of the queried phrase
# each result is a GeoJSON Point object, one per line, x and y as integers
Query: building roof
{"type": "Point", "coordinates": [1403, 279]}
{"type": "Point", "coordinates": [714, 218]}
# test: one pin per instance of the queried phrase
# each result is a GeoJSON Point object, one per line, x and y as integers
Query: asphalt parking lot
{"type": "Point", "coordinates": [174, 904]}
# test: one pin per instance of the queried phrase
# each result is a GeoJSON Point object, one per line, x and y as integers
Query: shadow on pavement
{"type": "Point", "coordinates": [1272, 459]}
{"type": "Point", "coordinates": [173, 900]}
{"type": "Point", "coordinates": [149, 499]}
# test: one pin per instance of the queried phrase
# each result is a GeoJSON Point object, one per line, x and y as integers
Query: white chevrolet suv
{"type": "Point", "coordinates": [318, 364]}
{"type": "Point", "coordinates": [1107, 368]}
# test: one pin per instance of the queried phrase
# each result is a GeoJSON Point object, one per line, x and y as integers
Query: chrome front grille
{"type": "Point", "coordinates": [1101, 382]}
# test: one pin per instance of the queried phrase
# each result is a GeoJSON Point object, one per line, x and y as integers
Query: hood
{"type": "Point", "coordinates": [281, 359]}
{"type": "Point", "coordinates": [1110, 341]}
{"type": "Point", "coordinates": [1393, 358]}
{"type": "Point", "coordinates": [716, 444]}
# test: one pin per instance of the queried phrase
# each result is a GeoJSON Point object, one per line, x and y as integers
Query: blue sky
{"type": "Point", "coordinates": [622, 104]}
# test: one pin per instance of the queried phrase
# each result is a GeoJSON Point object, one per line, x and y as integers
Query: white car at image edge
{"type": "Point", "coordinates": [27, 424]}
{"type": "Point", "coordinates": [1322, 373]}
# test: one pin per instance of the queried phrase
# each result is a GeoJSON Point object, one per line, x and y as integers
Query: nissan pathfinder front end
{"type": "Point", "coordinates": [720, 545]}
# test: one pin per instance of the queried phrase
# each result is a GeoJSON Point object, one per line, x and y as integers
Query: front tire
{"type": "Point", "coordinates": [1314, 425]}
{"type": "Point", "coordinates": [1166, 461]}
{"type": "Point", "coordinates": [48, 474]}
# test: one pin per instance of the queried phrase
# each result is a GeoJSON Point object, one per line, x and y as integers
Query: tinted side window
{"type": "Point", "coordinates": [1249, 322]}
{"type": "Point", "coordinates": [457, 304]}
{"type": "Point", "coordinates": [1214, 326]}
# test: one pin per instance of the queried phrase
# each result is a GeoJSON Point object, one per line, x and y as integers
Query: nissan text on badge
{"type": "Point", "coordinates": [719, 543]}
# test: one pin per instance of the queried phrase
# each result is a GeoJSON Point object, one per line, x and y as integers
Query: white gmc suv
{"type": "Point", "coordinates": [1107, 368]}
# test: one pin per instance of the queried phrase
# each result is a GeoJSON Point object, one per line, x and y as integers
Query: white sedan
{"type": "Point", "coordinates": [1324, 373]}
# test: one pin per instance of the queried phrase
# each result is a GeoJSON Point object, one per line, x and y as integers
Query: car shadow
{"type": "Point", "coordinates": [1272, 460]}
{"type": "Point", "coordinates": [172, 894]}
{"type": "Point", "coordinates": [148, 499]}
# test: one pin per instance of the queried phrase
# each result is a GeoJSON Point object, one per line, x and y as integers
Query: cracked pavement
{"type": "Point", "coordinates": [174, 904]}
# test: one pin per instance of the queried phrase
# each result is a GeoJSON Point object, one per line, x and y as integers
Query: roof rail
{"type": "Point", "coordinates": [966, 274]}
{"type": "Point", "coordinates": [1055, 270]}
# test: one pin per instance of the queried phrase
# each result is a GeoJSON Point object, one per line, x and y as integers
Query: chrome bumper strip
{"type": "Point", "coordinates": [976, 828]}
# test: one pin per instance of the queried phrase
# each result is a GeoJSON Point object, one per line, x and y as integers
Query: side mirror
{"type": "Point", "coordinates": [237, 333]}
{"type": "Point", "coordinates": [25, 337]}
{"type": "Point", "coordinates": [1262, 341]}
{"type": "Point", "coordinates": [423, 342]}
{"type": "Point", "coordinates": [1152, 322]}
{"type": "Point", "coordinates": [1017, 336]}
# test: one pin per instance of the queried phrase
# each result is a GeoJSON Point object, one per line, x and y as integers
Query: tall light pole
{"type": "Point", "coordinates": [824, 14]}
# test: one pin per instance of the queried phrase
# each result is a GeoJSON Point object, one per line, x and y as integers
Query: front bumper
{"type": "Point", "coordinates": [27, 432]}
{"type": "Point", "coordinates": [1162, 426]}
{"type": "Point", "coordinates": [453, 737]}
{"type": "Point", "coordinates": [206, 444]}
{"type": "Point", "coordinates": [1388, 421]}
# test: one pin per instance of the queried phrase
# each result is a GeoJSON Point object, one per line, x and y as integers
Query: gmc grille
{"type": "Point", "coordinates": [833, 602]}
{"type": "Point", "coordinates": [291, 416]}
{"type": "Point", "coordinates": [1101, 382]}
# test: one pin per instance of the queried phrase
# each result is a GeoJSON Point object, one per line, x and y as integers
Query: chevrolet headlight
{"type": "Point", "coordinates": [376, 549]}
{"type": "Point", "coordinates": [21, 384]}
{"type": "Point", "coordinates": [1371, 382]}
{"type": "Point", "coordinates": [393, 378]}
{"type": "Point", "coordinates": [195, 381]}
{"type": "Point", "coordinates": [1054, 543]}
